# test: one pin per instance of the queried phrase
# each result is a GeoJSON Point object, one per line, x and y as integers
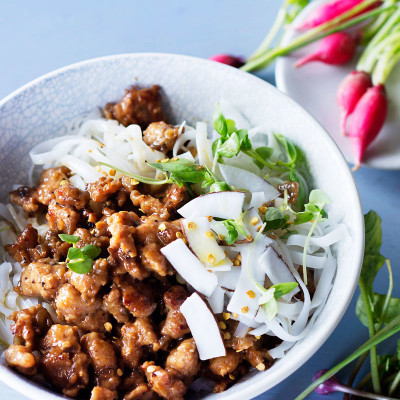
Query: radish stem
{"type": "Point", "coordinates": [335, 25]}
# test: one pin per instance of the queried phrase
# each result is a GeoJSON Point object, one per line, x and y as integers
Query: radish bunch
{"type": "Point", "coordinates": [362, 94]}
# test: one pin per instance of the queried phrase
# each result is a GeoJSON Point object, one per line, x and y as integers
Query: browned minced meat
{"type": "Point", "coordinates": [72, 308]}
{"type": "Point", "coordinates": [20, 358]}
{"type": "Point", "coordinates": [183, 361]}
{"type": "Point", "coordinates": [226, 364]}
{"type": "Point", "coordinates": [175, 324]}
{"type": "Point", "coordinates": [103, 359]}
{"type": "Point", "coordinates": [138, 106]}
{"type": "Point", "coordinates": [42, 278]}
{"type": "Point", "coordinates": [102, 189]}
{"type": "Point", "coordinates": [120, 332]}
{"type": "Point", "coordinates": [134, 337]}
{"type": "Point", "coordinates": [292, 190]}
{"type": "Point", "coordinates": [164, 383]}
{"type": "Point", "coordinates": [31, 198]}
{"type": "Point", "coordinates": [100, 393]}
{"type": "Point", "coordinates": [62, 360]}
{"type": "Point", "coordinates": [161, 136]}
{"type": "Point", "coordinates": [27, 248]}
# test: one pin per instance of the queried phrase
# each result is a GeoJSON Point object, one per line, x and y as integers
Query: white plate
{"type": "Point", "coordinates": [314, 87]}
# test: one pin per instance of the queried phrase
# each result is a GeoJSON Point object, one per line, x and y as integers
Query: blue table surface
{"type": "Point", "coordinates": [40, 36]}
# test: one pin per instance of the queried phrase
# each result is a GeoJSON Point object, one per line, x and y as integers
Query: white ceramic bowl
{"type": "Point", "coordinates": [192, 88]}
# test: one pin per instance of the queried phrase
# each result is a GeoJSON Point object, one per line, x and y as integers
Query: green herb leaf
{"type": "Point", "coordinates": [219, 187]}
{"type": "Point", "coordinates": [373, 260]}
{"type": "Point", "coordinates": [91, 251]}
{"type": "Point", "coordinates": [244, 140]}
{"type": "Point", "coordinates": [378, 301]}
{"type": "Point", "coordinates": [289, 150]}
{"type": "Point", "coordinates": [182, 170]}
{"type": "Point", "coordinates": [231, 235]}
{"type": "Point", "coordinates": [69, 238]}
{"type": "Point", "coordinates": [74, 253]}
{"type": "Point", "coordinates": [274, 219]}
{"type": "Point", "coordinates": [230, 147]}
{"type": "Point", "coordinates": [231, 126]}
{"type": "Point", "coordinates": [219, 121]}
{"type": "Point", "coordinates": [265, 153]}
{"type": "Point", "coordinates": [81, 266]}
{"type": "Point", "coordinates": [303, 217]}
{"type": "Point", "coordinates": [287, 234]}
{"type": "Point", "coordinates": [283, 288]}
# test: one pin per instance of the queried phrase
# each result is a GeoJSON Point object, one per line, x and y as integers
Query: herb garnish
{"type": "Point", "coordinates": [269, 297]}
{"type": "Point", "coordinates": [80, 261]}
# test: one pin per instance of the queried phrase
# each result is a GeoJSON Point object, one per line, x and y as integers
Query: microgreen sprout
{"type": "Point", "coordinates": [80, 261]}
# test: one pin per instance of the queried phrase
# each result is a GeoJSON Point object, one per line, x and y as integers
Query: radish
{"type": "Point", "coordinates": [350, 92]}
{"type": "Point", "coordinates": [367, 120]}
{"type": "Point", "coordinates": [329, 11]}
{"type": "Point", "coordinates": [335, 49]}
{"type": "Point", "coordinates": [227, 59]}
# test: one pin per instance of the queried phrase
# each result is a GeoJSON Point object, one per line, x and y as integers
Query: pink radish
{"type": "Point", "coordinates": [227, 59]}
{"type": "Point", "coordinates": [335, 49]}
{"type": "Point", "coordinates": [328, 11]}
{"type": "Point", "coordinates": [367, 120]}
{"type": "Point", "coordinates": [350, 91]}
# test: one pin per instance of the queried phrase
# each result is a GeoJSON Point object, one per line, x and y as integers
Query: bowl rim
{"type": "Point", "coordinates": [30, 389]}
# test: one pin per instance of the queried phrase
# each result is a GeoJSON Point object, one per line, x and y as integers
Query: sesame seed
{"type": "Point", "coordinates": [221, 237]}
{"type": "Point", "coordinates": [262, 210]}
{"type": "Point", "coordinates": [258, 337]}
{"type": "Point", "coordinates": [226, 315]}
{"type": "Point", "coordinates": [290, 222]}
{"type": "Point", "coordinates": [311, 220]}
{"type": "Point", "coordinates": [119, 372]}
{"type": "Point", "coordinates": [239, 257]}
{"type": "Point", "coordinates": [227, 335]}
{"type": "Point", "coordinates": [63, 182]}
{"type": "Point", "coordinates": [249, 238]}
{"type": "Point", "coordinates": [209, 234]}
{"type": "Point", "coordinates": [259, 228]}
{"type": "Point", "coordinates": [254, 220]}
{"type": "Point", "coordinates": [191, 225]}
{"type": "Point", "coordinates": [162, 227]}
{"type": "Point", "coordinates": [211, 259]}
{"type": "Point", "coordinates": [234, 315]}
{"type": "Point", "coordinates": [261, 367]}
{"type": "Point", "coordinates": [175, 159]}
{"type": "Point", "coordinates": [152, 368]}
{"type": "Point", "coordinates": [112, 172]}
{"type": "Point", "coordinates": [209, 218]}
{"type": "Point", "coordinates": [236, 263]}
{"type": "Point", "coordinates": [134, 182]}
{"type": "Point", "coordinates": [164, 160]}
{"type": "Point", "coordinates": [251, 294]}
{"type": "Point", "coordinates": [179, 235]}
{"type": "Point", "coordinates": [98, 169]}
{"type": "Point", "coordinates": [222, 325]}
{"type": "Point", "coordinates": [108, 326]}
{"type": "Point", "coordinates": [232, 377]}
{"type": "Point", "coordinates": [244, 309]}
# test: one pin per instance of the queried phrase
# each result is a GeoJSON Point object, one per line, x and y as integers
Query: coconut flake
{"type": "Point", "coordinates": [203, 327]}
{"type": "Point", "coordinates": [190, 267]}
{"type": "Point", "coordinates": [216, 300]}
{"type": "Point", "coordinates": [277, 270]}
{"type": "Point", "coordinates": [202, 241]}
{"type": "Point", "coordinates": [226, 205]}
{"type": "Point", "coordinates": [243, 179]}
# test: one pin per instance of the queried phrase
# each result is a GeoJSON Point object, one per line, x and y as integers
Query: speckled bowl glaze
{"type": "Point", "coordinates": [191, 88]}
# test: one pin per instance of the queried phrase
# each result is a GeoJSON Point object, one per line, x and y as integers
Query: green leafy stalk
{"type": "Point", "coordinates": [389, 330]}
{"type": "Point", "coordinates": [337, 24]}
{"type": "Point", "coordinates": [371, 329]}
